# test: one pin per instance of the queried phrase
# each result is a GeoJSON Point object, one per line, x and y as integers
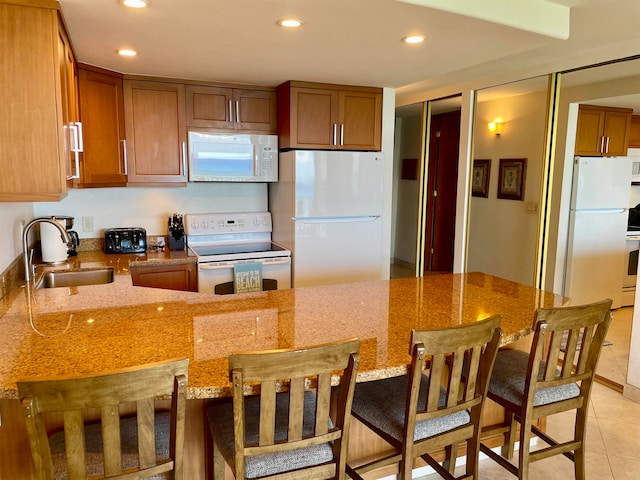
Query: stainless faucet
{"type": "Point", "coordinates": [64, 236]}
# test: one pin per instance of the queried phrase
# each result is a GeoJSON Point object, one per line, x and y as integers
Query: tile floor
{"type": "Point", "coordinates": [613, 428]}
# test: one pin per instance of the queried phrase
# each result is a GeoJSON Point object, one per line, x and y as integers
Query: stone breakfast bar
{"type": "Point", "coordinates": [90, 329]}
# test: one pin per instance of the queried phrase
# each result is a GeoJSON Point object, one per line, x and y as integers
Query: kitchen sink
{"type": "Point", "coordinates": [75, 278]}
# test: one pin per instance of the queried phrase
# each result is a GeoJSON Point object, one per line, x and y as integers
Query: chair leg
{"type": "Point", "coordinates": [451, 453]}
{"type": "Point", "coordinates": [579, 463]}
{"type": "Point", "coordinates": [508, 448]}
{"type": "Point", "coordinates": [473, 451]}
{"type": "Point", "coordinates": [523, 456]}
{"type": "Point", "coordinates": [218, 463]}
{"type": "Point", "coordinates": [406, 467]}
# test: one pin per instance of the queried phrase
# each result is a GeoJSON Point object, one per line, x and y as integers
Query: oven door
{"type": "Point", "coordinates": [217, 277]}
{"type": "Point", "coordinates": [630, 274]}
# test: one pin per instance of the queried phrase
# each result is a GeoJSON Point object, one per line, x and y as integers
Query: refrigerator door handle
{"type": "Point", "coordinates": [600, 210]}
{"type": "Point", "coordinates": [366, 218]}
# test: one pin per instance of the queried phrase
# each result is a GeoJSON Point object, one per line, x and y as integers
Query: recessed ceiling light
{"type": "Point", "coordinates": [127, 53]}
{"type": "Point", "coordinates": [413, 39]}
{"type": "Point", "coordinates": [135, 3]}
{"type": "Point", "coordinates": [289, 22]}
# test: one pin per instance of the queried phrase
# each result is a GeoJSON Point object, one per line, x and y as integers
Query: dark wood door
{"type": "Point", "coordinates": [441, 192]}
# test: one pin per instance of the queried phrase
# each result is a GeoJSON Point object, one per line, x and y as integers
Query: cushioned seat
{"type": "Point", "coordinates": [436, 406]}
{"type": "Point", "coordinates": [509, 377]}
{"type": "Point", "coordinates": [555, 376]}
{"type": "Point", "coordinates": [383, 402]}
{"type": "Point", "coordinates": [297, 427]}
{"type": "Point", "coordinates": [128, 441]}
{"type": "Point", "coordinates": [143, 444]}
{"type": "Point", "coordinates": [269, 464]}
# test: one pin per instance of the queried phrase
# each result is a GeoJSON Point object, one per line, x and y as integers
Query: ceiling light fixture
{"type": "Point", "coordinates": [290, 22]}
{"type": "Point", "coordinates": [127, 53]}
{"type": "Point", "coordinates": [413, 39]}
{"type": "Point", "coordinates": [135, 3]}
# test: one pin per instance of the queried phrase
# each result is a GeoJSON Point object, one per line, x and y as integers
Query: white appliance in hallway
{"type": "Point", "coordinates": [597, 230]}
{"type": "Point", "coordinates": [327, 209]}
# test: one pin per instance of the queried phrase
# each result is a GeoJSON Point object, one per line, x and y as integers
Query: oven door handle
{"type": "Point", "coordinates": [278, 262]}
{"type": "Point", "coordinates": [205, 266]}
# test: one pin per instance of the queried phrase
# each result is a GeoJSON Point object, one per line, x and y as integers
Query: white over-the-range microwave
{"type": "Point", "coordinates": [232, 157]}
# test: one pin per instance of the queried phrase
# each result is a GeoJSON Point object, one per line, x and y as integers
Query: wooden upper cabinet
{"type": "Point", "coordinates": [634, 132]}
{"type": "Point", "coordinates": [330, 117]}
{"type": "Point", "coordinates": [231, 108]}
{"type": "Point", "coordinates": [602, 131]}
{"type": "Point", "coordinates": [34, 141]}
{"type": "Point", "coordinates": [156, 133]}
{"type": "Point", "coordinates": [102, 116]}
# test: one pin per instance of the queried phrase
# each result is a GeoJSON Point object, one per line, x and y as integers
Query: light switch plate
{"type": "Point", "coordinates": [87, 224]}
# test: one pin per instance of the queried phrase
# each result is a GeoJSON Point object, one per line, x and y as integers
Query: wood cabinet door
{"type": "Point", "coordinates": [254, 110]}
{"type": "Point", "coordinates": [634, 132]}
{"type": "Point", "coordinates": [589, 139]}
{"type": "Point", "coordinates": [155, 131]}
{"type": "Point", "coordinates": [209, 106]}
{"type": "Point", "coordinates": [314, 118]}
{"type": "Point", "coordinates": [360, 121]}
{"type": "Point", "coordinates": [102, 115]}
{"type": "Point", "coordinates": [173, 277]}
{"type": "Point", "coordinates": [616, 132]}
{"type": "Point", "coordinates": [31, 129]}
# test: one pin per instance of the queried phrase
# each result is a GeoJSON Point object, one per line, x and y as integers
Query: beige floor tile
{"type": "Point", "coordinates": [560, 427]}
{"type": "Point", "coordinates": [616, 407]}
{"type": "Point", "coordinates": [625, 468]}
{"type": "Point", "coordinates": [620, 439]}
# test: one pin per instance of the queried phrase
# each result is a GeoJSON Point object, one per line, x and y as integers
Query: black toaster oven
{"type": "Point", "coordinates": [125, 240]}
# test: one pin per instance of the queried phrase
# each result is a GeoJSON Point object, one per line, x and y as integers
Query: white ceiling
{"type": "Point", "coordinates": [342, 41]}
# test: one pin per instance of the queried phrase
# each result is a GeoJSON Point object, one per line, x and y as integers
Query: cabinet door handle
{"type": "Point", "coordinates": [602, 144]}
{"type": "Point", "coordinates": [606, 148]}
{"type": "Point", "coordinates": [237, 111]}
{"type": "Point", "coordinates": [335, 134]}
{"type": "Point", "coordinates": [230, 111]}
{"type": "Point", "coordinates": [341, 134]}
{"type": "Point", "coordinates": [79, 137]}
{"type": "Point", "coordinates": [184, 158]}
{"type": "Point", "coordinates": [124, 156]}
{"type": "Point", "coordinates": [74, 127]}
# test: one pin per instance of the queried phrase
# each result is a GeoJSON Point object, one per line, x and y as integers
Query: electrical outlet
{"type": "Point", "coordinates": [87, 224]}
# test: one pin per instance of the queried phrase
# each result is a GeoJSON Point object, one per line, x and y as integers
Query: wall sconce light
{"type": "Point", "coordinates": [496, 127]}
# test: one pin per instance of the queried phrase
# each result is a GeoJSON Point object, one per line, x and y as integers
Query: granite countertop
{"type": "Point", "coordinates": [91, 329]}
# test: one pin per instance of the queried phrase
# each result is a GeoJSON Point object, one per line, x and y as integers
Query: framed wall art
{"type": "Point", "coordinates": [480, 180]}
{"type": "Point", "coordinates": [511, 178]}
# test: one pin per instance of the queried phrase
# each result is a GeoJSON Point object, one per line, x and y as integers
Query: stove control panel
{"type": "Point", "coordinates": [221, 223]}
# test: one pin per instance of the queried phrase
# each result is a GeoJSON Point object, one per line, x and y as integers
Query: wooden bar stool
{"type": "Point", "coordinates": [301, 432]}
{"type": "Point", "coordinates": [555, 376]}
{"type": "Point", "coordinates": [146, 445]}
{"type": "Point", "coordinates": [437, 405]}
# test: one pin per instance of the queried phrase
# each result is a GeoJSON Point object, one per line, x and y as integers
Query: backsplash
{"type": "Point", "coordinates": [149, 208]}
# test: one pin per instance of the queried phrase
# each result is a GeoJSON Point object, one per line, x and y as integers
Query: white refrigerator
{"type": "Point", "coordinates": [327, 209]}
{"type": "Point", "coordinates": [597, 229]}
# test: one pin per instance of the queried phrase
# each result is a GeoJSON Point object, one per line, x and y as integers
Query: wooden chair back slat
{"type": "Point", "coordinates": [74, 395]}
{"type": "Point", "coordinates": [471, 373]}
{"type": "Point", "coordinates": [146, 433]}
{"type": "Point", "coordinates": [296, 408]}
{"type": "Point", "coordinates": [267, 412]}
{"type": "Point", "coordinates": [74, 443]}
{"type": "Point", "coordinates": [292, 372]}
{"type": "Point", "coordinates": [435, 379]}
{"type": "Point", "coordinates": [323, 403]}
{"type": "Point", "coordinates": [110, 417]}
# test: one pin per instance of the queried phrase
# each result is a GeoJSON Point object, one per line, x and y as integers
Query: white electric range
{"type": "Point", "coordinates": [225, 242]}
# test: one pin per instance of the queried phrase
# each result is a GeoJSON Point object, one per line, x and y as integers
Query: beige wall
{"type": "Point", "coordinates": [502, 233]}
{"type": "Point", "coordinates": [11, 214]}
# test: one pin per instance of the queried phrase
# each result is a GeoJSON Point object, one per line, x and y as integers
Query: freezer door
{"type": "Point", "coordinates": [601, 182]}
{"type": "Point", "coordinates": [597, 248]}
{"type": "Point", "coordinates": [332, 184]}
{"type": "Point", "coordinates": [333, 251]}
